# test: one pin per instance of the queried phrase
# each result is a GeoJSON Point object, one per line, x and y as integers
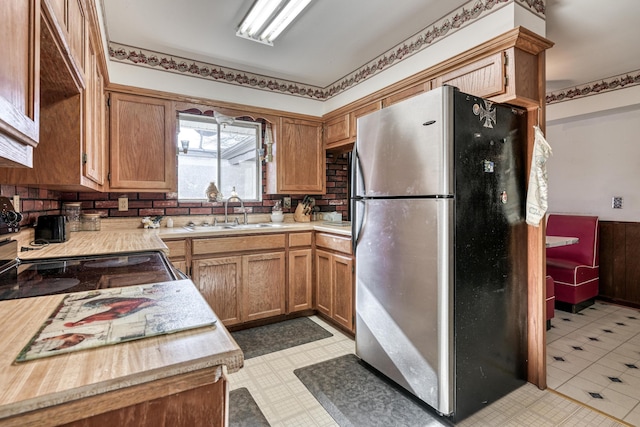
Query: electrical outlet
{"type": "Point", "coordinates": [123, 204]}
{"type": "Point", "coordinates": [286, 202]}
{"type": "Point", "coordinates": [616, 202]}
{"type": "Point", "coordinates": [16, 203]}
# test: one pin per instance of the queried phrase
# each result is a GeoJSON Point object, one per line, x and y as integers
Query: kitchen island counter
{"type": "Point", "coordinates": [65, 388]}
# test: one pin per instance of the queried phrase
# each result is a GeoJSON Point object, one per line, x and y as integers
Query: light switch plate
{"type": "Point", "coordinates": [286, 202]}
{"type": "Point", "coordinates": [16, 203]}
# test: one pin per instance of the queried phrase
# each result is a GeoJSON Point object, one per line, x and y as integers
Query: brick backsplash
{"type": "Point", "coordinates": [33, 201]}
{"type": "Point", "coordinates": [37, 201]}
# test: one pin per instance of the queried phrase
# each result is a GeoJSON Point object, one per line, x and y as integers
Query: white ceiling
{"type": "Point", "coordinates": [332, 38]}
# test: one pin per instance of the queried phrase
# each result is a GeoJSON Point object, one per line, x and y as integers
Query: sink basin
{"type": "Point", "coordinates": [231, 226]}
{"type": "Point", "coordinates": [260, 225]}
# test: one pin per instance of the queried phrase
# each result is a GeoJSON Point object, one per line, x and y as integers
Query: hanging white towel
{"type": "Point", "coordinates": [537, 193]}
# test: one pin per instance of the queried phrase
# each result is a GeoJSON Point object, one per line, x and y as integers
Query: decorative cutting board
{"type": "Point", "coordinates": [96, 318]}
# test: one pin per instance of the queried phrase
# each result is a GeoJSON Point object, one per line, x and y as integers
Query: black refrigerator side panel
{"type": "Point", "coordinates": [490, 308]}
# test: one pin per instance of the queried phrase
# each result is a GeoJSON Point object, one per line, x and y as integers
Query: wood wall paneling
{"type": "Point", "coordinates": [619, 268]}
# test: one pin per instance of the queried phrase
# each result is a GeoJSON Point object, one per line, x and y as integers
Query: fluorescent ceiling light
{"type": "Point", "coordinates": [268, 18]}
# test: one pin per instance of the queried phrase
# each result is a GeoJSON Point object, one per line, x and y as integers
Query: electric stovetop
{"type": "Point", "coordinates": [74, 274]}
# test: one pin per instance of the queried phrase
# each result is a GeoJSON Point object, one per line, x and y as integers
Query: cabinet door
{"type": "Point", "coordinates": [20, 76]}
{"type": "Point", "coordinates": [180, 265]}
{"type": "Point", "coordinates": [72, 22]}
{"type": "Point", "coordinates": [406, 94]}
{"type": "Point", "coordinates": [263, 285]}
{"type": "Point", "coordinates": [219, 281]}
{"type": "Point", "coordinates": [300, 158]}
{"type": "Point", "coordinates": [337, 130]}
{"type": "Point", "coordinates": [77, 31]}
{"type": "Point", "coordinates": [485, 77]}
{"type": "Point", "coordinates": [343, 290]}
{"type": "Point", "coordinates": [324, 288]}
{"type": "Point", "coordinates": [143, 153]}
{"type": "Point", "coordinates": [300, 284]}
{"type": "Point", "coordinates": [94, 151]}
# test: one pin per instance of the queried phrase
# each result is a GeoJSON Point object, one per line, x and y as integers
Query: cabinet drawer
{"type": "Point", "coordinates": [300, 239]}
{"type": "Point", "coordinates": [236, 244]}
{"type": "Point", "coordinates": [336, 243]}
{"type": "Point", "coordinates": [177, 248]}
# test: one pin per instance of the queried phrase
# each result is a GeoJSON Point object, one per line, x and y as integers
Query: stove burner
{"type": "Point", "coordinates": [118, 262]}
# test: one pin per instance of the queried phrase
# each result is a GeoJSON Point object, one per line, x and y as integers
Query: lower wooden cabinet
{"type": "Point", "coordinates": [191, 399]}
{"type": "Point", "coordinates": [219, 280]}
{"type": "Point", "coordinates": [300, 280]}
{"type": "Point", "coordinates": [334, 287]}
{"type": "Point", "coordinates": [244, 287]}
{"type": "Point", "coordinates": [262, 286]}
{"type": "Point", "coordinates": [178, 254]}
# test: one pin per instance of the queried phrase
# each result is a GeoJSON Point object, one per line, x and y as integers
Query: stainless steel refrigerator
{"type": "Point", "coordinates": [441, 249]}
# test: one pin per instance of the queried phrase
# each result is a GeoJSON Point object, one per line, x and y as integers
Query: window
{"type": "Point", "coordinates": [224, 154]}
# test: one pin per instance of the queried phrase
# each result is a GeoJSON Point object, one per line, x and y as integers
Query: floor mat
{"type": "Point", "coordinates": [266, 339]}
{"type": "Point", "coordinates": [244, 411]}
{"type": "Point", "coordinates": [355, 396]}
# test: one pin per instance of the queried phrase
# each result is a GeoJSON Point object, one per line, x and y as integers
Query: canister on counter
{"type": "Point", "coordinates": [90, 222]}
{"type": "Point", "coordinates": [72, 211]}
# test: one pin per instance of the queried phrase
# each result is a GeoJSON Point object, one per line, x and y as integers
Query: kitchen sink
{"type": "Point", "coordinates": [222, 227]}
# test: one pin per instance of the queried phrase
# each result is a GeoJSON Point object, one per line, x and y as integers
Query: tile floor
{"type": "Point", "coordinates": [594, 357]}
{"type": "Point", "coordinates": [285, 401]}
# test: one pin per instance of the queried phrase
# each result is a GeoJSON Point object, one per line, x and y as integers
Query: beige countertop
{"type": "Point", "coordinates": [96, 243]}
{"type": "Point", "coordinates": [41, 383]}
{"type": "Point", "coordinates": [179, 232]}
{"type": "Point", "coordinates": [125, 235]}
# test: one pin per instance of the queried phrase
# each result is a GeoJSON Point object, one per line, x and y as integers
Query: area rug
{"type": "Point", "coordinates": [244, 411]}
{"type": "Point", "coordinates": [266, 339]}
{"type": "Point", "coordinates": [355, 396]}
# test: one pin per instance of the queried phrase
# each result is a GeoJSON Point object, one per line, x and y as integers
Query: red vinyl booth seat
{"type": "Point", "coordinates": [575, 268]}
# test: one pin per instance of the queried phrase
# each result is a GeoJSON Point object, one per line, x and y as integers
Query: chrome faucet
{"type": "Point", "coordinates": [233, 197]}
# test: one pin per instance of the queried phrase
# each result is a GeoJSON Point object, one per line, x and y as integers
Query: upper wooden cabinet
{"type": "Point", "coordinates": [340, 132]}
{"type": "Point", "coordinates": [337, 130]}
{"type": "Point", "coordinates": [71, 152]}
{"type": "Point", "coordinates": [505, 76]}
{"type": "Point", "coordinates": [19, 74]}
{"type": "Point", "coordinates": [72, 25]}
{"type": "Point", "coordinates": [485, 77]}
{"type": "Point", "coordinates": [299, 161]}
{"type": "Point", "coordinates": [95, 141]}
{"type": "Point", "coordinates": [142, 147]}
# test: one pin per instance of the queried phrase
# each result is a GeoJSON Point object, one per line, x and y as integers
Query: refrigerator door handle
{"type": "Point", "coordinates": [358, 187]}
{"type": "Point", "coordinates": [357, 192]}
{"type": "Point", "coordinates": [356, 225]}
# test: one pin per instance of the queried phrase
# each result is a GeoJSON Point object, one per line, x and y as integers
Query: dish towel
{"type": "Point", "coordinates": [538, 186]}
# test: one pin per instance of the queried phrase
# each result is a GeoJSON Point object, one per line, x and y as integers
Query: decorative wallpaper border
{"type": "Point", "coordinates": [593, 88]}
{"type": "Point", "coordinates": [454, 21]}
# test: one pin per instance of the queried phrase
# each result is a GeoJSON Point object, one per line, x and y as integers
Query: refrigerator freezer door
{"type": "Point", "coordinates": [406, 149]}
{"type": "Point", "coordinates": [404, 294]}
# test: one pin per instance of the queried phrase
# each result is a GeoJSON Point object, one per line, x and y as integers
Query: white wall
{"type": "Point", "coordinates": [495, 23]}
{"type": "Point", "coordinates": [596, 155]}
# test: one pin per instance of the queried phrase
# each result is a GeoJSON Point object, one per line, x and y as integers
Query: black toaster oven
{"type": "Point", "coordinates": [52, 229]}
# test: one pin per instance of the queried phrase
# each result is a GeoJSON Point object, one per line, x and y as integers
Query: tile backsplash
{"type": "Point", "coordinates": [37, 201]}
